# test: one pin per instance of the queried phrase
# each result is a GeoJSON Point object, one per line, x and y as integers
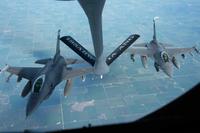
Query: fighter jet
{"type": "Point", "coordinates": [164, 54]}
{"type": "Point", "coordinates": [43, 80]}
{"type": "Point", "coordinates": [93, 9]}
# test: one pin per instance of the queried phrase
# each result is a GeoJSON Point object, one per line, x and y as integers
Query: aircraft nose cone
{"type": "Point", "coordinates": [32, 104]}
{"type": "Point", "coordinates": [169, 74]}
{"type": "Point", "coordinates": [168, 69]}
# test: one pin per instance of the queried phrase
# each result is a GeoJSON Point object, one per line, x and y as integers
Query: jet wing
{"type": "Point", "coordinates": [172, 51]}
{"type": "Point", "coordinates": [145, 44]}
{"type": "Point", "coordinates": [67, 60]}
{"type": "Point", "coordinates": [143, 51]}
{"type": "Point", "coordinates": [166, 44]}
{"type": "Point", "coordinates": [74, 61]}
{"type": "Point", "coordinates": [68, 74]}
{"type": "Point", "coordinates": [23, 72]}
{"type": "Point", "coordinates": [140, 45]}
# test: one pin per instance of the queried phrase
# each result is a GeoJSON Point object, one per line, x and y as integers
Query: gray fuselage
{"type": "Point", "coordinates": [52, 76]}
{"type": "Point", "coordinates": [161, 58]}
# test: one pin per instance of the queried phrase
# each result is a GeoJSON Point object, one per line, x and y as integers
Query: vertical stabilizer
{"type": "Point", "coordinates": [57, 48]}
{"type": "Point", "coordinates": [154, 27]}
{"type": "Point", "coordinates": [58, 43]}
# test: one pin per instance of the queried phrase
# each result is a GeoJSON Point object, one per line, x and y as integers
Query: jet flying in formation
{"type": "Point", "coordinates": [164, 55]}
{"type": "Point", "coordinates": [43, 80]}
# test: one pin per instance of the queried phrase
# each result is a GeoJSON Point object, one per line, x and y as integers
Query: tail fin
{"type": "Point", "coordinates": [58, 43]}
{"type": "Point", "coordinates": [79, 49]}
{"type": "Point", "coordinates": [119, 50]}
{"type": "Point", "coordinates": [154, 27]}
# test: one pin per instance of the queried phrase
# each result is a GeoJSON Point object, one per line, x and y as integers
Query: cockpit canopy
{"type": "Point", "coordinates": [153, 42]}
{"type": "Point", "coordinates": [38, 84]}
{"type": "Point", "coordinates": [164, 56]}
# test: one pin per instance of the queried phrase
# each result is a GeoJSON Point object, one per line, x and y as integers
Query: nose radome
{"type": "Point", "coordinates": [32, 104]}
{"type": "Point", "coordinates": [169, 73]}
{"type": "Point", "coordinates": [168, 69]}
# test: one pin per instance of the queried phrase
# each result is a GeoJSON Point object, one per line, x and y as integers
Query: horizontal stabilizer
{"type": "Point", "coordinates": [80, 50]}
{"type": "Point", "coordinates": [119, 50]}
{"type": "Point", "coordinates": [70, 61]}
{"type": "Point", "coordinates": [141, 45]}
{"type": "Point", "coordinates": [43, 61]}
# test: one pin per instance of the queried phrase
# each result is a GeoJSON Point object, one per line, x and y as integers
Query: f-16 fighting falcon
{"type": "Point", "coordinates": [93, 9]}
{"type": "Point", "coordinates": [43, 80]}
{"type": "Point", "coordinates": [164, 55]}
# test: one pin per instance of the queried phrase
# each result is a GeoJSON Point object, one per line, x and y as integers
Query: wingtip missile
{"type": "Point", "coordinates": [4, 69]}
{"type": "Point", "coordinates": [196, 50]}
